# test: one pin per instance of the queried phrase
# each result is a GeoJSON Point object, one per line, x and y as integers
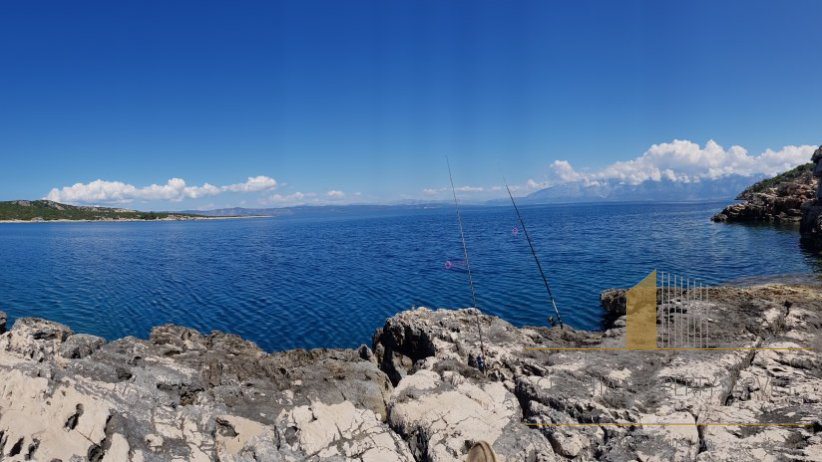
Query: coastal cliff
{"type": "Point", "coordinates": [794, 196]}
{"type": "Point", "coordinates": [412, 396]}
{"type": "Point", "coordinates": [775, 200]}
{"type": "Point", "coordinates": [811, 225]}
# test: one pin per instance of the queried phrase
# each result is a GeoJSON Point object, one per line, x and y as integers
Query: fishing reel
{"type": "Point", "coordinates": [554, 323]}
{"type": "Point", "coordinates": [480, 363]}
{"type": "Point", "coordinates": [477, 361]}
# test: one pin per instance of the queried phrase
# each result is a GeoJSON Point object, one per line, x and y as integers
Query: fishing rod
{"type": "Point", "coordinates": [480, 362]}
{"type": "Point", "coordinates": [534, 253]}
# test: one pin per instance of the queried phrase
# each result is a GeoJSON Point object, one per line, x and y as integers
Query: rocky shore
{"type": "Point", "coordinates": [793, 197]}
{"type": "Point", "coordinates": [811, 224]}
{"type": "Point", "coordinates": [775, 200]}
{"type": "Point", "coordinates": [413, 396]}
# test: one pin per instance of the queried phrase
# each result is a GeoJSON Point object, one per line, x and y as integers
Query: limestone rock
{"type": "Point", "coordinates": [775, 200]}
{"type": "Point", "coordinates": [80, 345]}
{"type": "Point", "coordinates": [417, 394]}
{"type": "Point", "coordinates": [182, 395]}
{"type": "Point", "coordinates": [811, 225]}
{"type": "Point", "coordinates": [37, 339]}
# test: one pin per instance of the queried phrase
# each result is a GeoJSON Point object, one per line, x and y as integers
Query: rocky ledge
{"type": "Point", "coordinates": [775, 200]}
{"type": "Point", "coordinates": [414, 396]}
{"type": "Point", "coordinates": [811, 224]}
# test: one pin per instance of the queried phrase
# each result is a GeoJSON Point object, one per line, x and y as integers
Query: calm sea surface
{"type": "Point", "coordinates": [287, 283]}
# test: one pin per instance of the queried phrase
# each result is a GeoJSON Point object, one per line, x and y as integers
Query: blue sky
{"type": "Point", "coordinates": [360, 101]}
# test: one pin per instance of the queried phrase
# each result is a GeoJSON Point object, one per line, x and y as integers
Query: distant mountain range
{"type": "Point", "coordinates": [725, 188]}
{"type": "Point", "coordinates": [323, 211]}
{"type": "Point", "coordinates": [661, 191]}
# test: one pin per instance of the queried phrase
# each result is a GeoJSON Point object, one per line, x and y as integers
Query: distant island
{"type": "Point", "coordinates": [46, 210]}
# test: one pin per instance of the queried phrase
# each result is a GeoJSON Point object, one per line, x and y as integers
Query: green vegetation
{"type": "Point", "coordinates": [43, 210]}
{"type": "Point", "coordinates": [800, 174]}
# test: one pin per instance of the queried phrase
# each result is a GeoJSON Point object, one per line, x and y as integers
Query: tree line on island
{"type": "Point", "coordinates": [45, 210]}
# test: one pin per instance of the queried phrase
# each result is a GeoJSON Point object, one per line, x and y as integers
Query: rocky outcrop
{"type": "Point", "coordinates": [609, 404]}
{"type": "Point", "coordinates": [811, 224]}
{"type": "Point", "coordinates": [181, 396]}
{"type": "Point", "coordinates": [794, 196]}
{"type": "Point", "coordinates": [775, 200]}
{"type": "Point", "coordinates": [415, 396]}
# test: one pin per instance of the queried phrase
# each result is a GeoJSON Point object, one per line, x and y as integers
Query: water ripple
{"type": "Point", "coordinates": [288, 283]}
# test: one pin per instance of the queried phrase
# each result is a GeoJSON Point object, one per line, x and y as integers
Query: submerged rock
{"type": "Point", "coordinates": [414, 396]}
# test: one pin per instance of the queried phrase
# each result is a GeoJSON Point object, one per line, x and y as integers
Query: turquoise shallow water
{"type": "Point", "coordinates": [287, 283]}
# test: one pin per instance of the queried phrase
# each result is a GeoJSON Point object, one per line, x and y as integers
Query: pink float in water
{"type": "Point", "coordinates": [456, 265]}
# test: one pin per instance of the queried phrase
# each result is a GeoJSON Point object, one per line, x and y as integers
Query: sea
{"type": "Point", "coordinates": [328, 282]}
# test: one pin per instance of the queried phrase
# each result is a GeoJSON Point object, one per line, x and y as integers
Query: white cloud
{"type": "Point", "coordinates": [685, 161]}
{"type": "Point", "coordinates": [330, 197]}
{"type": "Point", "coordinates": [293, 197]}
{"type": "Point", "coordinates": [175, 189]}
{"type": "Point", "coordinates": [533, 184]}
{"type": "Point", "coordinates": [253, 184]}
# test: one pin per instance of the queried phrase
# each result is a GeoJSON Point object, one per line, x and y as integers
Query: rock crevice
{"type": "Point", "coordinates": [413, 396]}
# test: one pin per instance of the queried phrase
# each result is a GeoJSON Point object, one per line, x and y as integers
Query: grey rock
{"type": "Point", "coordinates": [439, 405]}
{"type": "Point", "coordinates": [184, 395]}
{"type": "Point", "coordinates": [80, 345]}
{"type": "Point", "coordinates": [35, 338]}
{"type": "Point", "coordinates": [817, 168]}
{"type": "Point", "coordinates": [811, 222]}
{"type": "Point", "coordinates": [776, 200]}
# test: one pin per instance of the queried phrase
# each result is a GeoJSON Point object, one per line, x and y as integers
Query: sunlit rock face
{"type": "Point", "coordinates": [416, 395]}
{"type": "Point", "coordinates": [780, 199]}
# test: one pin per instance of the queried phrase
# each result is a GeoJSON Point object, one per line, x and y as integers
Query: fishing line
{"type": "Point", "coordinates": [534, 253]}
{"type": "Point", "coordinates": [480, 362]}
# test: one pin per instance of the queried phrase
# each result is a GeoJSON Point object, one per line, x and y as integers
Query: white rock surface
{"type": "Point", "coordinates": [184, 396]}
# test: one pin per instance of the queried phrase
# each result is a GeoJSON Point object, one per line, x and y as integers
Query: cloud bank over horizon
{"type": "Point", "coordinates": [678, 161]}
{"type": "Point", "coordinates": [174, 190]}
{"type": "Point", "coordinates": [684, 161]}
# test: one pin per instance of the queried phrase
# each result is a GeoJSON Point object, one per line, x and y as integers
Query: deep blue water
{"type": "Point", "coordinates": [288, 283]}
